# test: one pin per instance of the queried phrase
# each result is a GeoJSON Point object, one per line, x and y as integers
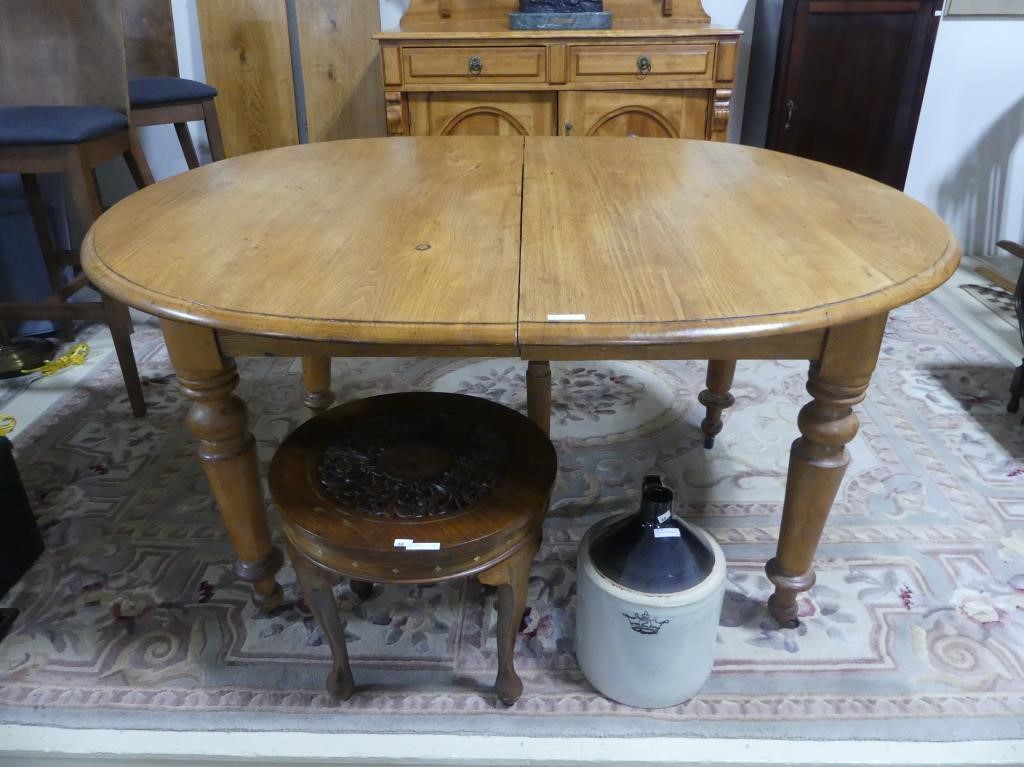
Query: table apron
{"type": "Point", "coordinates": [796, 346]}
{"type": "Point", "coordinates": [233, 344]}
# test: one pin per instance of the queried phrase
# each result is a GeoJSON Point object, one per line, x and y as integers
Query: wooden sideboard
{"type": "Point", "coordinates": [453, 67]}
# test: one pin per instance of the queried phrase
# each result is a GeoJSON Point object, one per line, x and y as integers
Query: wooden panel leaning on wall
{"type": "Point", "coordinates": [341, 71]}
{"type": "Point", "coordinates": [247, 57]}
{"type": "Point", "coordinates": [248, 54]}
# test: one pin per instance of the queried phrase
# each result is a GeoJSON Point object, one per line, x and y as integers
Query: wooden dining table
{"type": "Point", "coordinates": [538, 248]}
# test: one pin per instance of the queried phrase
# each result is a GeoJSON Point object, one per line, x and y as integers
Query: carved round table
{"type": "Point", "coordinates": [539, 248]}
{"type": "Point", "coordinates": [415, 488]}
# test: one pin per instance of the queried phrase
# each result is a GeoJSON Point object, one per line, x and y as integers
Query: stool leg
{"type": "Point", "coordinates": [136, 161]}
{"type": "Point", "coordinates": [511, 578]}
{"type": "Point", "coordinates": [319, 593]}
{"type": "Point", "coordinates": [538, 394]}
{"type": "Point", "coordinates": [716, 398]}
{"type": "Point", "coordinates": [316, 377]}
{"type": "Point", "coordinates": [120, 323]}
{"type": "Point", "coordinates": [41, 223]}
{"type": "Point", "coordinates": [187, 147]}
{"type": "Point", "coordinates": [1016, 389]}
{"type": "Point", "coordinates": [213, 136]}
{"type": "Point", "coordinates": [361, 589]}
{"type": "Point", "coordinates": [85, 194]}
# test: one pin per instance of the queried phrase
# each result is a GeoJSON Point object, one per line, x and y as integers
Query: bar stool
{"type": "Point", "coordinates": [64, 109]}
{"type": "Point", "coordinates": [158, 95]}
{"type": "Point", "coordinates": [414, 488]}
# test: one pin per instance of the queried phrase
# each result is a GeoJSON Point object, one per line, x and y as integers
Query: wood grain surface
{"type": "Point", "coordinates": [683, 241]}
{"type": "Point", "coordinates": [371, 240]}
{"type": "Point", "coordinates": [62, 52]}
{"type": "Point", "coordinates": [247, 56]}
{"type": "Point", "coordinates": [649, 244]}
{"type": "Point", "coordinates": [341, 69]}
{"type": "Point", "coordinates": [149, 38]}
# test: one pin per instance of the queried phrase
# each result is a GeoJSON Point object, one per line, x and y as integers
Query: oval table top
{"type": "Point", "coordinates": [511, 242]}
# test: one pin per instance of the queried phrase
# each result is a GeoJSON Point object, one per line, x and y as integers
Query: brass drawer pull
{"type": "Point", "coordinates": [476, 65]}
{"type": "Point", "coordinates": [643, 65]}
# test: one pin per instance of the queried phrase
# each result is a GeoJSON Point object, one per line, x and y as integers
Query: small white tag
{"type": "Point", "coordinates": [666, 532]}
{"type": "Point", "coordinates": [567, 317]}
{"type": "Point", "coordinates": [401, 543]}
{"type": "Point", "coordinates": [664, 516]}
{"type": "Point", "coordinates": [432, 546]}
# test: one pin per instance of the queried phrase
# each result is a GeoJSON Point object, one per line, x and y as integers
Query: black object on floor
{"type": "Point", "coordinates": [7, 617]}
{"type": "Point", "coordinates": [20, 541]}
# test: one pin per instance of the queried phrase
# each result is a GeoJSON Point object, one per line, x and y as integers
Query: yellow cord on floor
{"type": "Point", "coordinates": [77, 355]}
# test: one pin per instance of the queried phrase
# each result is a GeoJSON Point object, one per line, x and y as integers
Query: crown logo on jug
{"type": "Point", "coordinates": [644, 623]}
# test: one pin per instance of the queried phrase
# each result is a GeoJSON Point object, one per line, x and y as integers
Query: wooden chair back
{"type": "Point", "coordinates": [149, 38]}
{"type": "Point", "coordinates": [62, 53]}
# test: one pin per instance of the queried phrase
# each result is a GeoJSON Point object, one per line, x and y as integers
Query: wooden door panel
{"type": "Point", "coordinates": [648, 114]}
{"type": "Point", "coordinates": [849, 82]}
{"type": "Point", "coordinates": [482, 114]}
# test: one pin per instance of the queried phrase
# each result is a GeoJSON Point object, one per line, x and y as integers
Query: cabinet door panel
{"type": "Point", "coordinates": [649, 114]}
{"type": "Point", "coordinates": [482, 114]}
{"type": "Point", "coordinates": [850, 81]}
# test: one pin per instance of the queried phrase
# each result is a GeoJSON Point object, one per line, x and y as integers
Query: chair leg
{"type": "Point", "coordinates": [319, 593]}
{"type": "Point", "coordinates": [120, 323]}
{"type": "Point", "coordinates": [512, 578]}
{"type": "Point", "coordinates": [187, 147]}
{"type": "Point", "coordinates": [1016, 389]}
{"type": "Point", "coordinates": [135, 159]}
{"type": "Point", "coordinates": [213, 135]}
{"type": "Point", "coordinates": [85, 194]}
{"type": "Point", "coordinates": [41, 223]}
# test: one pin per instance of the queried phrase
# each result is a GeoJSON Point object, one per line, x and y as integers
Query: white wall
{"type": "Point", "coordinates": [968, 158]}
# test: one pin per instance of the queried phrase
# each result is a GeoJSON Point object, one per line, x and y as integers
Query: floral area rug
{"type": "Point", "coordinates": [999, 301]}
{"type": "Point", "coordinates": [914, 631]}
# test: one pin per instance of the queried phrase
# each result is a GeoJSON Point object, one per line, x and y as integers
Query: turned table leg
{"type": "Point", "coordinates": [318, 589]}
{"type": "Point", "coordinates": [227, 451]}
{"type": "Point", "coordinates": [316, 377]}
{"type": "Point", "coordinates": [818, 459]}
{"type": "Point", "coordinates": [511, 577]}
{"type": "Point", "coordinates": [538, 394]}
{"type": "Point", "coordinates": [716, 398]}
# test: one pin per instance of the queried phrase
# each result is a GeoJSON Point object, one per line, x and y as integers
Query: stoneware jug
{"type": "Point", "coordinates": [650, 590]}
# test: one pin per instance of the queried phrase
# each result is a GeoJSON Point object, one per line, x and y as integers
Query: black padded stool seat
{"type": "Point", "coordinates": [415, 488]}
{"type": "Point", "coordinates": [148, 91]}
{"type": "Point", "coordinates": [32, 125]}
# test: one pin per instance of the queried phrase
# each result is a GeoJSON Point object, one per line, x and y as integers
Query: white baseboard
{"type": "Point", "coordinates": [53, 747]}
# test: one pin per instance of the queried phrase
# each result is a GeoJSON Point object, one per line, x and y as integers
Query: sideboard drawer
{"type": "Point", "coordinates": [641, 63]}
{"type": "Point", "coordinates": [526, 64]}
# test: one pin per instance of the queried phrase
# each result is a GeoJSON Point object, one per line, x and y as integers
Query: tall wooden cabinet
{"type": "Point", "coordinates": [454, 68]}
{"type": "Point", "coordinates": [850, 80]}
